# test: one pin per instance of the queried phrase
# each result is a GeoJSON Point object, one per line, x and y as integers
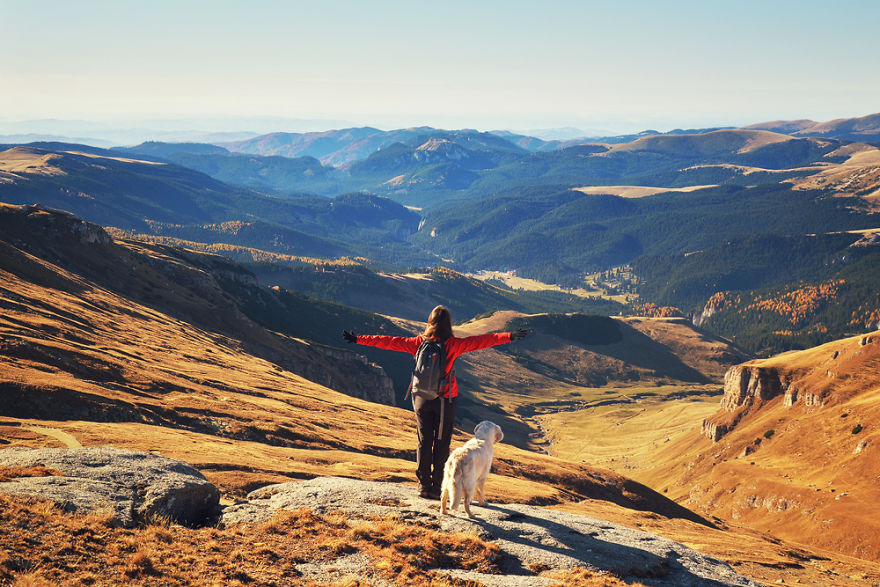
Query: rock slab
{"type": "Point", "coordinates": [134, 486]}
{"type": "Point", "coordinates": [530, 537]}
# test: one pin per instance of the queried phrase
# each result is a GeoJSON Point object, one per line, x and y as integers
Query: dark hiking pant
{"type": "Point", "coordinates": [433, 452]}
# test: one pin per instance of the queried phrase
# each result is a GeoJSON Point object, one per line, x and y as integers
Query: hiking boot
{"type": "Point", "coordinates": [434, 494]}
{"type": "Point", "coordinates": [428, 493]}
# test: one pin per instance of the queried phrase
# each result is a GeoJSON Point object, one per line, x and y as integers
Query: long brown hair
{"type": "Point", "coordinates": [439, 324]}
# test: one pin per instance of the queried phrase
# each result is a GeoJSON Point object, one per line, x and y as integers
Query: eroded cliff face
{"type": "Point", "coordinates": [744, 386]}
{"type": "Point", "coordinates": [810, 379]}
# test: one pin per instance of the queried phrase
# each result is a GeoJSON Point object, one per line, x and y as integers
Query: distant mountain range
{"type": "Point", "coordinates": [668, 204]}
{"type": "Point", "coordinates": [145, 195]}
{"type": "Point", "coordinates": [865, 128]}
{"type": "Point", "coordinates": [423, 166]}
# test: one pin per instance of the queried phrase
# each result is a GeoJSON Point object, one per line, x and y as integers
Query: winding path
{"type": "Point", "coordinates": [67, 439]}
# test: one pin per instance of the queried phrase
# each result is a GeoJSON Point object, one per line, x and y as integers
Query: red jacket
{"type": "Point", "coordinates": [454, 347]}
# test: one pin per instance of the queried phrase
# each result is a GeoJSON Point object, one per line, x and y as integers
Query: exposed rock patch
{"type": "Point", "coordinates": [529, 537]}
{"type": "Point", "coordinates": [134, 486]}
{"type": "Point", "coordinates": [744, 384]}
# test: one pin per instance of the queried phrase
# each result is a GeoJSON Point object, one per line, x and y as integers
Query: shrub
{"type": "Point", "coordinates": [769, 434]}
{"type": "Point", "coordinates": [857, 428]}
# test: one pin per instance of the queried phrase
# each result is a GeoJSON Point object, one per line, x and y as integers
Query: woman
{"type": "Point", "coordinates": [435, 418]}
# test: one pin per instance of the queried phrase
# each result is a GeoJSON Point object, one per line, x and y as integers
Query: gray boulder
{"type": "Point", "coordinates": [134, 486]}
{"type": "Point", "coordinates": [529, 537]}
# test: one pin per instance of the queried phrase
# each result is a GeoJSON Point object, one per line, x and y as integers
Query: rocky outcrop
{"type": "Point", "coordinates": [133, 486]}
{"type": "Point", "coordinates": [713, 430]}
{"type": "Point", "coordinates": [529, 537]}
{"type": "Point", "coordinates": [59, 225]}
{"type": "Point", "coordinates": [746, 384]}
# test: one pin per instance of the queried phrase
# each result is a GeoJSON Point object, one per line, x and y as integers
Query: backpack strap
{"type": "Point", "coordinates": [448, 384]}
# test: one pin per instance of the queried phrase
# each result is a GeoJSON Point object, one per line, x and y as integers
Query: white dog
{"type": "Point", "coordinates": [464, 475]}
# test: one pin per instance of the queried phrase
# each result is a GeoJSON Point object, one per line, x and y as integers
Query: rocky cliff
{"type": "Point", "coordinates": [811, 379]}
{"type": "Point", "coordinates": [745, 385]}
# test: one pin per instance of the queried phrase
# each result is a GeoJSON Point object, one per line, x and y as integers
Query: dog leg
{"type": "Point", "coordinates": [481, 491]}
{"type": "Point", "coordinates": [456, 497]}
{"type": "Point", "coordinates": [444, 499]}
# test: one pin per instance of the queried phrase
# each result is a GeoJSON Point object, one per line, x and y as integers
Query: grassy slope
{"type": "Point", "coordinates": [805, 480]}
{"type": "Point", "coordinates": [106, 367]}
{"type": "Point", "coordinates": [245, 423]}
{"type": "Point", "coordinates": [117, 371]}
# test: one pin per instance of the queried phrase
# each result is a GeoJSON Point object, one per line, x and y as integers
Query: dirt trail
{"type": "Point", "coordinates": [67, 439]}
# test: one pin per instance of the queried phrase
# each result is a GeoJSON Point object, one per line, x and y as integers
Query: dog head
{"type": "Point", "coordinates": [487, 430]}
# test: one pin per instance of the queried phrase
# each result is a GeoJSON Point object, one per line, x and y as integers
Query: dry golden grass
{"type": "Point", "coordinates": [796, 471]}
{"type": "Point", "coordinates": [7, 473]}
{"type": "Point", "coordinates": [636, 191]}
{"type": "Point", "coordinates": [122, 159]}
{"type": "Point", "coordinates": [580, 577]}
{"type": "Point", "coordinates": [104, 369]}
{"type": "Point", "coordinates": [715, 142]}
{"type": "Point", "coordinates": [859, 175]}
{"type": "Point", "coordinates": [108, 370]}
{"type": "Point", "coordinates": [752, 553]}
{"type": "Point", "coordinates": [624, 437]}
{"type": "Point", "coordinates": [19, 160]}
{"type": "Point", "coordinates": [42, 545]}
{"type": "Point", "coordinates": [527, 284]}
{"type": "Point", "coordinates": [659, 348]}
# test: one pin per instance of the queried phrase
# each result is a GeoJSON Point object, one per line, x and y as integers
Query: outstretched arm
{"type": "Point", "coordinates": [483, 341]}
{"type": "Point", "coordinates": [404, 344]}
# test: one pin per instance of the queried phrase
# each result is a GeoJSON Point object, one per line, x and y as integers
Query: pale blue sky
{"type": "Point", "coordinates": [490, 64]}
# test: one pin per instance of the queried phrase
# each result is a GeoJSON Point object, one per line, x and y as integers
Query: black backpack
{"type": "Point", "coordinates": [429, 373]}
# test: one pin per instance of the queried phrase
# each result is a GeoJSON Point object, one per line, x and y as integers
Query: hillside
{"type": "Point", "coordinates": [557, 234]}
{"type": "Point", "coordinates": [719, 143]}
{"type": "Point", "coordinates": [266, 173]}
{"type": "Point", "coordinates": [864, 128]}
{"type": "Point", "coordinates": [157, 358]}
{"type": "Point", "coordinates": [772, 293]}
{"type": "Point", "coordinates": [58, 251]}
{"type": "Point", "coordinates": [179, 369]}
{"type": "Point", "coordinates": [150, 196]}
{"type": "Point", "coordinates": [425, 166]}
{"type": "Point", "coordinates": [332, 147]}
{"type": "Point", "coordinates": [791, 448]}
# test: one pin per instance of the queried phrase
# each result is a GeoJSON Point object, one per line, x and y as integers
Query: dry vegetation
{"type": "Point", "coordinates": [858, 175]}
{"type": "Point", "coordinates": [636, 191]}
{"type": "Point", "coordinates": [18, 160]}
{"type": "Point", "coordinates": [657, 357]}
{"type": "Point", "coordinates": [719, 141]}
{"type": "Point", "coordinates": [104, 369]}
{"type": "Point", "coordinates": [41, 545]}
{"type": "Point", "coordinates": [807, 472]}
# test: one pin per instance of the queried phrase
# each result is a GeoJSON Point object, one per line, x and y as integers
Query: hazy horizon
{"type": "Point", "coordinates": [513, 65]}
